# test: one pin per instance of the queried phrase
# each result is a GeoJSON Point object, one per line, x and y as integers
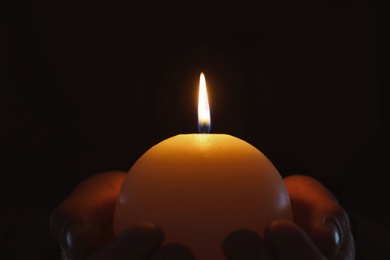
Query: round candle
{"type": "Point", "coordinates": [201, 187]}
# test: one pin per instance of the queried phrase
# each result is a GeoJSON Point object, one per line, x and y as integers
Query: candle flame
{"type": "Point", "coordinates": [204, 121]}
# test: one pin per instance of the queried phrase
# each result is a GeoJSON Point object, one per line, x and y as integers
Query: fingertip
{"type": "Point", "coordinates": [140, 241]}
{"type": "Point", "coordinates": [63, 228]}
{"type": "Point", "coordinates": [289, 241]}
{"type": "Point", "coordinates": [244, 244]}
{"type": "Point", "coordinates": [174, 251]}
{"type": "Point", "coordinates": [147, 232]}
{"type": "Point", "coordinates": [331, 239]}
{"type": "Point", "coordinates": [282, 230]}
{"type": "Point", "coordinates": [78, 241]}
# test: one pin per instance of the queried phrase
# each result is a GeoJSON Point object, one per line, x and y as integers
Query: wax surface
{"type": "Point", "coordinates": [201, 187]}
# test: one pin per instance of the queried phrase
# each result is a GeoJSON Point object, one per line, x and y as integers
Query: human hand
{"type": "Point", "coordinates": [82, 224]}
{"type": "Point", "coordinates": [321, 229]}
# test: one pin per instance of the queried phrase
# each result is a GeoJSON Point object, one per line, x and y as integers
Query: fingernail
{"type": "Point", "coordinates": [73, 231]}
{"type": "Point", "coordinates": [335, 229]}
{"type": "Point", "coordinates": [334, 237]}
{"type": "Point", "coordinates": [77, 241]}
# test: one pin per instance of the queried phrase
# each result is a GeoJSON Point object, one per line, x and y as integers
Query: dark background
{"type": "Point", "coordinates": [89, 88]}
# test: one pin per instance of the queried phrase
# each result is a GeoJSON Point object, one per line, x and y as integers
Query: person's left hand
{"type": "Point", "coordinates": [320, 229]}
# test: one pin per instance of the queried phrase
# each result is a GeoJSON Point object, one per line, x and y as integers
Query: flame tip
{"type": "Point", "coordinates": [204, 122]}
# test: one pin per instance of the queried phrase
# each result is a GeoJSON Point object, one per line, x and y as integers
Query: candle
{"type": "Point", "coordinates": [200, 187]}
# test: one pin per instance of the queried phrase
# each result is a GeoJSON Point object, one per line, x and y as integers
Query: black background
{"type": "Point", "coordinates": [89, 88]}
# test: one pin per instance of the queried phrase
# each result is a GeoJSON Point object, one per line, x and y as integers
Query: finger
{"type": "Point", "coordinates": [289, 242]}
{"type": "Point", "coordinates": [136, 243]}
{"type": "Point", "coordinates": [174, 251]}
{"type": "Point", "coordinates": [83, 221]}
{"type": "Point", "coordinates": [245, 245]}
{"type": "Point", "coordinates": [328, 222]}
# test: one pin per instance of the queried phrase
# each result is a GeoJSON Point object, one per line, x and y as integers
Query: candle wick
{"type": "Point", "coordinates": [204, 128]}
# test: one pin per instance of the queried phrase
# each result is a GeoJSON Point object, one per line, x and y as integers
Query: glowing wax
{"type": "Point", "coordinates": [199, 188]}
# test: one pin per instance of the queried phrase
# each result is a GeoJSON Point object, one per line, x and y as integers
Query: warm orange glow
{"type": "Point", "coordinates": [204, 122]}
